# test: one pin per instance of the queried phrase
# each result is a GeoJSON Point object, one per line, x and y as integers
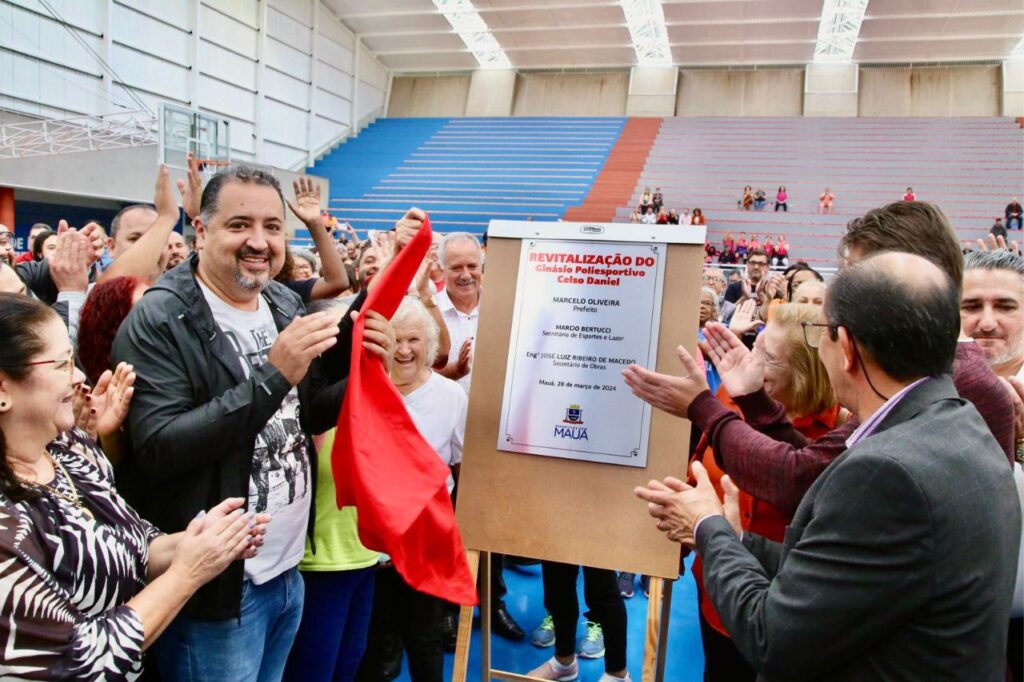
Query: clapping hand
{"type": "Point", "coordinates": [100, 411]}
{"type": "Point", "coordinates": [257, 524]}
{"type": "Point", "coordinates": [669, 393]}
{"type": "Point", "coordinates": [741, 371]}
{"type": "Point", "coordinates": [679, 506]}
{"type": "Point", "coordinates": [70, 263]}
{"type": "Point", "coordinates": [744, 318]}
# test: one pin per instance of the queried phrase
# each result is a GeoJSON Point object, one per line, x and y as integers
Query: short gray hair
{"type": "Point", "coordinates": [999, 259]}
{"type": "Point", "coordinates": [455, 237]}
{"type": "Point", "coordinates": [306, 256]}
{"type": "Point", "coordinates": [714, 297]}
{"type": "Point", "coordinates": [411, 311]}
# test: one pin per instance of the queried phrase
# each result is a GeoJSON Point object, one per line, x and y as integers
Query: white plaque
{"type": "Point", "coordinates": [584, 311]}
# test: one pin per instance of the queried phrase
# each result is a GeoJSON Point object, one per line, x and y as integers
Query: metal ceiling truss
{"type": "Point", "coordinates": [78, 134]}
{"type": "Point", "coordinates": [838, 31]}
{"type": "Point", "coordinates": [473, 30]}
{"type": "Point", "coordinates": [646, 22]}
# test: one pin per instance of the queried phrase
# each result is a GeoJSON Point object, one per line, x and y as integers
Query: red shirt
{"type": "Point", "coordinates": [24, 258]}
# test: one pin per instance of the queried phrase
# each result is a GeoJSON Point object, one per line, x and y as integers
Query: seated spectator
{"type": "Point", "coordinates": [662, 217]}
{"type": "Point", "coordinates": [728, 241]}
{"type": "Point", "coordinates": [685, 218]}
{"type": "Point", "coordinates": [33, 232]}
{"type": "Point", "coordinates": [657, 200]}
{"type": "Point", "coordinates": [826, 201]}
{"type": "Point", "coordinates": [698, 217]}
{"type": "Point", "coordinates": [673, 217]}
{"type": "Point", "coordinates": [648, 217]}
{"type": "Point", "coordinates": [811, 291]}
{"type": "Point", "coordinates": [755, 243]}
{"type": "Point", "coordinates": [909, 195]}
{"type": "Point", "coordinates": [795, 377]}
{"type": "Point", "coordinates": [768, 246]}
{"type": "Point", "coordinates": [998, 229]}
{"type": "Point", "coordinates": [1014, 219]}
{"type": "Point", "coordinates": [747, 201]}
{"type": "Point", "coordinates": [760, 199]}
{"type": "Point", "coordinates": [781, 256]}
{"type": "Point", "coordinates": [782, 200]}
{"type": "Point", "coordinates": [634, 217]}
{"type": "Point", "coordinates": [741, 247]}
{"type": "Point", "coordinates": [710, 252]}
{"type": "Point", "coordinates": [727, 257]}
{"type": "Point", "coordinates": [645, 200]}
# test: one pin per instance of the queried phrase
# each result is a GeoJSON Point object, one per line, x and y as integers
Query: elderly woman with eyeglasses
{"type": "Point", "coordinates": [795, 377]}
{"type": "Point", "coordinates": [88, 585]}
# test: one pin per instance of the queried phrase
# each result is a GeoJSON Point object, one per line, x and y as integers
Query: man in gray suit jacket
{"type": "Point", "coordinates": [899, 563]}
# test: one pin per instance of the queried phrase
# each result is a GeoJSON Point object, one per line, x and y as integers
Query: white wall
{"type": "Point", "coordinates": [289, 77]}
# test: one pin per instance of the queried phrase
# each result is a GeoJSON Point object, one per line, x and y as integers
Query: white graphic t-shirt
{"type": "Point", "coordinates": [280, 480]}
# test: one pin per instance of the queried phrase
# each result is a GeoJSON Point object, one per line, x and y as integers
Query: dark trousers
{"type": "Point", "coordinates": [335, 623]}
{"type": "Point", "coordinates": [722, 660]}
{"type": "Point", "coordinates": [415, 618]}
{"type": "Point", "coordinates": [1015, 649]}
{"type": "Point", "coordinates": [601, 592]}
{"type": "Point", "coordinates": [783, 205]}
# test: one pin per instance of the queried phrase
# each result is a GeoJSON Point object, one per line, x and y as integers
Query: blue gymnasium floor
{"type": "Point", "coordinates": [525, 601]}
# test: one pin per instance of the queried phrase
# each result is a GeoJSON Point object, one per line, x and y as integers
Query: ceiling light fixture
{"type": "Point", "coordinates": [839, 30]}
{"type": "Point", "coordinates": [646, 21]}
{"type": "Point", "coordinates": [474, 33]}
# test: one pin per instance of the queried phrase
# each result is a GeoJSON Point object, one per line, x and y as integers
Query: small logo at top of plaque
{"type": "Point", "coordinates": [592, 229]}
{"type": "Point", "coordinates": [573, 415]}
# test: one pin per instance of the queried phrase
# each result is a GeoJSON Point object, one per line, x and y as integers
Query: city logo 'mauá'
{"type": "Point", "coordinates": [575, 430]}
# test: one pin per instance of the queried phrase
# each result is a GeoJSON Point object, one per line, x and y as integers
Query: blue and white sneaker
{"type": "Point", "coordinates": [544, 635]}
{"type": "Point", "coordinates": [592, 644]}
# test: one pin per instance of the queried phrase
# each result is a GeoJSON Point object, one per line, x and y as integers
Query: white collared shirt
{"type": "Point", "coordinates": [461, 326]}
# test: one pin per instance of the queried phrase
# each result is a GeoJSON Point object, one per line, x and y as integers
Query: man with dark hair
{"type": "Point", "coordinates": [992, 308]}
{"type": "Point", "coordinates": [909, 226]}
{"type": "Point", "coordinates": [863, 587]}
{"type": "Point", "coordinates": [231, 384]}
{"type": "Point", "coordinates": [757, 269]}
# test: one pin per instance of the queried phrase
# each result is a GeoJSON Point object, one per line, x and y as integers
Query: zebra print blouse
{"type": "Point", "coordinates": [64, 578]}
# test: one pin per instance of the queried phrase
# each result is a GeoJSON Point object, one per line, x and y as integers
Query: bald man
{"type": "Point", "coordinates": [900, 560]}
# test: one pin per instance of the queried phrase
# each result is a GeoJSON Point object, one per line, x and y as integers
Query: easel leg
{"type": "Point", "coordinates": [485, 616]}
{"type": "Point", "coordinates": [465, 633]}
{"type": "Point", "coordinates": [653, 637]}
{"type": "Point", "coordinates": [666, 608]}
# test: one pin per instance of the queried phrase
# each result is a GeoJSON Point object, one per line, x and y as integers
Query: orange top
{"type": "Point", "coordinates": [756, 515]}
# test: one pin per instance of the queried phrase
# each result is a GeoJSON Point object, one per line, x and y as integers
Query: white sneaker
{"type": "Point", "coordinates": [553, 670]}
{"type": "Point", "coordinates": [611, 678]}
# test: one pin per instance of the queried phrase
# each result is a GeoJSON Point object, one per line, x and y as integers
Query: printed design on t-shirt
{"type": "Point", "coordinates": [280, 462]}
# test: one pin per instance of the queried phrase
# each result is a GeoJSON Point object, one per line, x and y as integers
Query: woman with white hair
{"type": "Point", "coordinates": [438, 408]}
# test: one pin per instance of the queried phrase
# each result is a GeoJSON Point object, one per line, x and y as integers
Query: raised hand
{"type": "Point", "coordinates": [744, 319]}
{"type": "Point", "coordinates": [992, 243]}
{"type": "Point", "coordinates": [668, 393]}
{"type": "Point", "coordinates": [98, 242]}
{"type": "Point", "coordinates": [407, 227]}
{"type": "Point", "coordinates": [300, 343]}
{"type": "Point", "coordinates": [307, 203]}
{"type": "Point", "coordinates": [163, 197]}
{"type": "Point", "coordinates": [191, 191]}
{"type": "Point", "coordinates": [69, 266]}
{"type": "Point", "coordinates": [111, 397]}
{"type": "Point", "coordinates": [741, 371]}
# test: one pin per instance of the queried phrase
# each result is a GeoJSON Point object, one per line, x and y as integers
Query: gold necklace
{"type": "Point", "coordinates": [74, 498]}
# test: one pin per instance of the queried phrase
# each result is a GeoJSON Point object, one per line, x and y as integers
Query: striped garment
{"type": "Point", "coordinates": [65, 578]}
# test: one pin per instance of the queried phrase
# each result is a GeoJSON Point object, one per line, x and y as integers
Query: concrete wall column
{"type": "Point", "coordinates": [1013, 89]}
{"type": "Point", "coordinates": [7, 207]}
{"type": "Point", "coordinates": [652, 91]}
{"type": "Point", "coordinates": [491, 92]}
{"type": "Point", "coordinates": [831, 89]}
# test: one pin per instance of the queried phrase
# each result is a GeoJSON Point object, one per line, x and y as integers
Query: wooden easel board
{"type": "Point", "coordinates": [564, 510]}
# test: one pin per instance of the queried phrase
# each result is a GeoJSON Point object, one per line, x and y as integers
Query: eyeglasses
{"type": "Point", "coordinates": [64, 365]}
{"type": "Point", "coordinates": [758, 263]}
{"type": "Point", "coordinates": [812, 332]}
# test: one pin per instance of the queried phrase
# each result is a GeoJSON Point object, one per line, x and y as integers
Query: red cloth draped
{"type": "Point", "coordinates": [384, 467]}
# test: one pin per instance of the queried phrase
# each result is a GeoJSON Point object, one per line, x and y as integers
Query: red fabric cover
{"type": "Point", "coordinates": [384, 467]}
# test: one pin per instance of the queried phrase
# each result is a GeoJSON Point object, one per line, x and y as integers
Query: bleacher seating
{"type": "Point", "coordinates": [466, 171]}
{"type": "Point", "coordinates": [970, 167]}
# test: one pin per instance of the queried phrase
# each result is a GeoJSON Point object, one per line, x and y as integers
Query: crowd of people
{"type": "Point", "coordinates": [652, 211]}
{"type": "Point", "coordinates": [854, 491]}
